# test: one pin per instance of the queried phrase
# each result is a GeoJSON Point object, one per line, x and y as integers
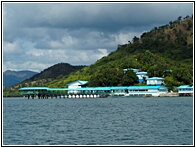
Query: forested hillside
{"type": "Point", "coordinates": [165, 51]}
{"type": "Point", "coordinates": [55, 71]}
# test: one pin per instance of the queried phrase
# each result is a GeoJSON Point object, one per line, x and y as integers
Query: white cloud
{"type": "Point", "coordinates": [124, 37]}
{"type": "Point", "coordinates": [11, 48]}
{"type": "Point", "coordinates": [29, 65]}
{"type": "Point", "coordinates": [69, 41]}
{"type": "Point", "coordinates": [103, 52]}
{"type": "Point", "coordinates": [35, 53]}
{"type": "Point", "coordinates": [55, 44]}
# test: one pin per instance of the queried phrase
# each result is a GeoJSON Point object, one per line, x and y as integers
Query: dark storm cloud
{"type": "Point", "coordinates": [93, 15]}
{"type": "Point", "coordinates": [39, 30]}
{"type": "Point", "coordinates": [103, 17]}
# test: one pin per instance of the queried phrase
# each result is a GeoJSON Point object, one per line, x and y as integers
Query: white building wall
{"type": "Point", "coordinates": [154, 82]}
{"type": "Point", "coordinates": [151, 82]}
{"type": "Point", "coordinates": [142, 76]}
{"type": "Point", "coordinates": [153, 90]}
{"type": "Point", "coordinates": [185, 91]}
{"type": "Point", "coordinates": [75, 85]}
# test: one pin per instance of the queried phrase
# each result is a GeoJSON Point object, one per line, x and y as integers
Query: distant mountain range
{"type": "Point", "coordinates": [13, 77]}
{"type": "Point", "coordinates": [49, 74]}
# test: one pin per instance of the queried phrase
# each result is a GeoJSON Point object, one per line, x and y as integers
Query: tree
{"type": "Point", "coordinates": [182, 75]}
{"type": "Point", "coordinates": [170, 83]}
{"type": "Point", "coordinates": [187, 17]}
{"type": "Point", "coordinates": [129, 78]}
{"type": "Point", "coordinates": [135, 39]}
{"type": "Point", "coordinates": [179, 18]}
{"type": "Point", "coordinates": [189, 25]}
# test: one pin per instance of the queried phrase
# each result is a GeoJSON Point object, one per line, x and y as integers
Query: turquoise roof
{"type": "Point", "coordinates": [143, 87]}
{"type": "Point", "coordinates": [141, 73]}
{"type": "Point", "coordinates": [155, 78]}
{"type": "Point", "coordinates": [101, 88]}
{"type": "Point", "coordinates": [184, 86]}
{"type": "Point", "coordinates": [83, 88]}
{"type": "Point", "coordinates": [118, 87]}
{"type": "Point", "coordinates": [92, 88]}
{"type": "Point", "coordinates": [54, 89]}
{"type": "Point", "coordinates": [97, 88]}
{"type": "Point", "coordinates": [163, 88]}
{"type": "Point", "coordinates": [34, 88]}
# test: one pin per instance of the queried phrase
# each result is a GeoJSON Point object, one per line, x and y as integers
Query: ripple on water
{"type": "Point", "coordinates": [111, 121]}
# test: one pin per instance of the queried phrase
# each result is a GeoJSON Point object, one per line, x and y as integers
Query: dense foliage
{"type": "Point", "coordinates": [56, 71]}
{"type": "Point", "coordinates": [112, 77]}
{"type": "Point", "coordinates": [165, 51]}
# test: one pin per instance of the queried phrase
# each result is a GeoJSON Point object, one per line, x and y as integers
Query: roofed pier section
{"type": "Point", "coordinates": [32, 92]}
{"type": "Point", "coordinates": [92, 92]}
{"type": "Point", "coordinates": [45, 93]}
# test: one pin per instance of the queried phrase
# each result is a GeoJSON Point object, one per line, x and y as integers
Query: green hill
{"type": "Point", "coordinates": [162, 50]}
{"type": "Point", "coordinates": [165, 51]}
{"type": "Point", "coordinates": [56, 71]}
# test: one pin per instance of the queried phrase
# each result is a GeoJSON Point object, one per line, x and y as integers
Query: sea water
{"type": "Point", "coordinates": [98, 121]}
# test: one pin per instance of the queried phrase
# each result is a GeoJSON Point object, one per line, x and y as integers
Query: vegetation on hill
{"type": "Point", "coordinates": [165, 51]}
{"type": "Point", "coordinates": [56, 70]}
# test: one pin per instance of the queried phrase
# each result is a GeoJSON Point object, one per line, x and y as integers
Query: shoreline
{"type": "Point", "coordinates": [169, 94]}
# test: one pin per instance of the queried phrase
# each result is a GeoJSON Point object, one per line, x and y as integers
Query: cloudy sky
{"type": "Point", "coordinates": [39, 35]}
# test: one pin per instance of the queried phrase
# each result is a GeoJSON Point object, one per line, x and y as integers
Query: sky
{"type": "Point", "coordinates": [39, 35]}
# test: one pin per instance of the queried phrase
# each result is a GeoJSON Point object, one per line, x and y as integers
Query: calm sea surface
{"type": "Point", "coordinates": [100, 121]}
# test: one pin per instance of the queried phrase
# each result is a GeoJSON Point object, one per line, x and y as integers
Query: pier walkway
{"type": "Point", "coordinates": [45, 92]}
{"type": "Point", "coordinates": [92, 92]}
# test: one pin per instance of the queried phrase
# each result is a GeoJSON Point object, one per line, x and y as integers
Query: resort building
{"type": "Point", "coordinates": [73, 86]}
{"type": "Point", "coordinates": [141, 75]}
{"type": "Point", "coordinates": [138, 90]}
{"type": "Point", "coordinates": [185, 90]}
{"type": "Point", "coordinates": [158, 81]}
{"type": "Point", "coordinates": [134, 70]}
{"type": "Point", "coordinates": [93, 92]}
{"type": "Point", "coordinates": [76, 84]}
